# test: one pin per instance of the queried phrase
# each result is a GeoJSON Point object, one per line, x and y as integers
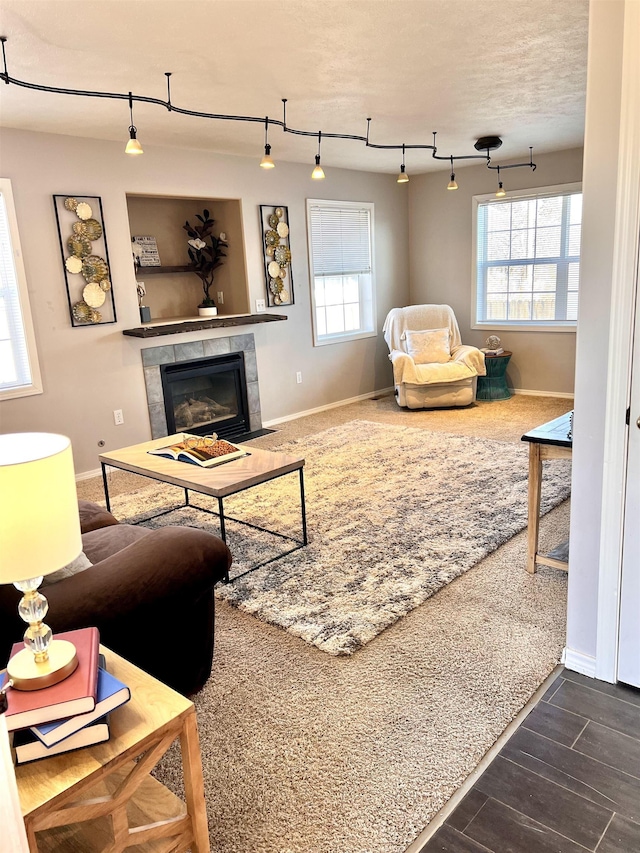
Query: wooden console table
{"type": "Point", "coordinates": [552, 440]}
{"type": "Point", "coordinates": [100, 799]}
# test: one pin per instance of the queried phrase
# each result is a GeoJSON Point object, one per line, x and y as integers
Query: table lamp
{"type": "Point", "coordinates": [39, 533]}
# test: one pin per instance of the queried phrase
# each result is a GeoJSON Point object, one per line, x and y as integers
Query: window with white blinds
{"type": "Point", "coordinates": [341, 267]}
{"type": "Point", "coordinates": [527, 258]}
{"type": "Point", "coordinates": [19, 370]}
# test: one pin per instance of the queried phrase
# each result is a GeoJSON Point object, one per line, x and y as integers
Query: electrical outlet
{"type": "Point", "coordinates": [261, 305]}
{"type": "Point", "coordinates": [299, 377]}
{"type": "Point", "coordinates": [118, 417]}
{"type": "Point", "coordinates": [220, 297]}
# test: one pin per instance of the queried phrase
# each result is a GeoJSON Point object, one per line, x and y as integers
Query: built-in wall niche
{"type": "Point", "coordinates": [172, 292]}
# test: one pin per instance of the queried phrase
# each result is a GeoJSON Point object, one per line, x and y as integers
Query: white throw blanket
{"type": "Point", "coordinates": [466, 361]}
{"type": "Point", "coordinates": [418, 317]}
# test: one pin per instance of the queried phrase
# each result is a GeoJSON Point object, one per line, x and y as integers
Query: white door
{"type": "Point", "coordinates": [629, 635]}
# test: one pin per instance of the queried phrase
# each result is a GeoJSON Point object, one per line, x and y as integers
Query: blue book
{"type": "Point", "coordinates": [27, 747]}
{"type": "Point", "coordinates": [111, 694]}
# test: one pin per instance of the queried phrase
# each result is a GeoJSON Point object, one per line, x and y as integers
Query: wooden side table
{"type": "Point", "coordinates": [553, 440]}
{"type": "Point", "coordinates": [493, 386]}
{"type": "Point", "coordinates": [102, 799]}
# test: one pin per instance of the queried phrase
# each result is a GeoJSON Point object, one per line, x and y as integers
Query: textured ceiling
{"type": "Point", "coordinates": [466, 68]}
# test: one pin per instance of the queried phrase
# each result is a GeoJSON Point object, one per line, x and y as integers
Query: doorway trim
{"type": "Point", "coordinates": [623, 301]}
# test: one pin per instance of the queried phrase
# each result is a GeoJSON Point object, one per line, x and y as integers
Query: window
{"type": "Point", "coordinates": [19, 370]}
{"type": "Point", "coordinates": [340, 258]}
{"type": "Point", "coordinates": [527, 259]}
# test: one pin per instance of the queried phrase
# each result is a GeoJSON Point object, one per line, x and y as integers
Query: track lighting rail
{"type": "Point", "coordinates": [282, 124]}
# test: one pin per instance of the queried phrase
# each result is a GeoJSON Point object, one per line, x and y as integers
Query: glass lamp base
{"type": "Point", "coordinates": [27, 674]}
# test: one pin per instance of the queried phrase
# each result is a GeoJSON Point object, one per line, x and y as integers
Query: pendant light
{"type": "Point", "coordinates": [500, 193]}
{"type": "Point", "coordinates": [483, 146]}
{"type": "Point", "coordinates": [402, 178]}
{"type": "Point", "coordinates": [267, 162]}
{"type": "Point", "coordinates": [318, 172]}
{"type": "Point", "coordinates": [452, 183]}
{"type": "Point", "coordinates": [133, 146]}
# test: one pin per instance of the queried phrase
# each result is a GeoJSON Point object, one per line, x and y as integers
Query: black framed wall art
{"type": "Point", "coordinates": [85, 259]}
{"type": "Point", "coordinates": [274, 220]}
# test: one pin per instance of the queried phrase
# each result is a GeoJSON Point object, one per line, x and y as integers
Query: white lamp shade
{"type": "Point", "coordinates": [39, 518]}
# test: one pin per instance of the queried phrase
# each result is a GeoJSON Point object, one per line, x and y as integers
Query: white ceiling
{"type": "Point", "coordinates": [466, 68]}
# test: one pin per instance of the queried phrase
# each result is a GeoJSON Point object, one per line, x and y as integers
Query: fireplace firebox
{"type": "Point", "coordinates": [206, 395]}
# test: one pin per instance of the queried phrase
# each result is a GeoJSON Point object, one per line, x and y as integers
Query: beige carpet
{"type": "Point", "coordinates": [304, 752]}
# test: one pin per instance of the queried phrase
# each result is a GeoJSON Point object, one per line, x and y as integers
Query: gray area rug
{"type": "Point", "coordinates": [395, 514]}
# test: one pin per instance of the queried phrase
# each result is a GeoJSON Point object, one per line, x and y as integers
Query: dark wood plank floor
{"type": "Point", "coordinates": [567, 781]}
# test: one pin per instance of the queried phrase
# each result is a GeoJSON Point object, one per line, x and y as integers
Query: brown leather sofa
{"type": "Point", "coordinates": [149, 592]}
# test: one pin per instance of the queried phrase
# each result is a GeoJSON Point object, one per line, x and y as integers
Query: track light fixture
{"type": "Point", "coordinates": [485, 144]}
{"type": "Point", "coordinates": [132, 146]}
{"type": "Point", "coordinates": [318, 172]}
{"type": "Point", "coordinates": [402, 178]}
{"type": "Point", "coordinates": [267, 162]}
{"type": "Point", "coordinates": [501, 193]}
{"type": "Point", "coordinates": [452, 182]}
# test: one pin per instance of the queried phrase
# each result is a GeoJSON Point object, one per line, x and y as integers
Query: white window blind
{"type": "Point", "coordinates": [19, 372]}
{"type": "Point", "coordinates": [528, 259]}
{"type": "Point", "coordinates": [341, 242]}
{"type": "Point", "coordinates": [341, 262]}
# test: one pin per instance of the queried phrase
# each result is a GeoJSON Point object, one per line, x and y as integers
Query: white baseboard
{"type": "Point", "coordinates": [523, 391]}
{"type": "Point", "coordinates": [87, 475]}
{"type": "Point", "coordinates": [381, 393]}
{"type": "Point", "coordinates": [579, 662]}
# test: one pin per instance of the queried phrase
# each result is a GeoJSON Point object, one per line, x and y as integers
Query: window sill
{"type": "Point", "coordinates": [520, 327]}
{"type": "Point", "coordinates": [342, 339]}
{"type": "Point", "coordinates": [23, 391]}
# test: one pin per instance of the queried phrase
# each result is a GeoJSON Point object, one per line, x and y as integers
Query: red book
{"type": "Point", "coordinates": [75, 695]}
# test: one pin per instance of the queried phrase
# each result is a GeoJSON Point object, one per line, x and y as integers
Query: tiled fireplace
{"type": "Point", "coordinates": [196, 353]}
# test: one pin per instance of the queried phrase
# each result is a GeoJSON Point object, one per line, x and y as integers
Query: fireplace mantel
{"type": "Point", "coordinates": [177, 327]}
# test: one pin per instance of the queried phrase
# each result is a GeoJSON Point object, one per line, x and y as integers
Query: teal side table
{"type": "Point", "coordinates": [493, 386]}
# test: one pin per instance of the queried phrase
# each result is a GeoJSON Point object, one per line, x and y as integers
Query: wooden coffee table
{"type": "Point", "coordinates": [221, 481]}
{"type": "Point", "coordinates": [100, 799]}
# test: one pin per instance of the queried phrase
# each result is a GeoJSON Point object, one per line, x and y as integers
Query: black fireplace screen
{"type": "Point", "coordinates": [206, 395]}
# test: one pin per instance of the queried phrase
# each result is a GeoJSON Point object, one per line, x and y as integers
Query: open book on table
{"type": "Point", "coordinates": [205, 451]}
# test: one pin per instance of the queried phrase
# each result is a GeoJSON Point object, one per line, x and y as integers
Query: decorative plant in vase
{"type": "Point", "coordinates": [206, 253]}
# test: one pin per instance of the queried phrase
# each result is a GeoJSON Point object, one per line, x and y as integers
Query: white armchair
{"type": "Point", "coordinates": [431, 368]}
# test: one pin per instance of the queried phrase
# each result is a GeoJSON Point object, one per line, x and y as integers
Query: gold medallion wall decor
{"type": "Point", "coordinates": [277, 254]}
{"type": "Point", "coordinates": [85, 258]}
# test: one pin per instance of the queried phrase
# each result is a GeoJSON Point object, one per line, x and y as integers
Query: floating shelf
{"type": "Point", "coordinates": [177, 328]}
{"type": "Point", "coordinates": [163, 270]}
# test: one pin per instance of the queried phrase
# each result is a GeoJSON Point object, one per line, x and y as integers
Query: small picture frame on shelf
{"type": "Point", "coordinates": [145, 251]}
{"type": "Point", "coordinates": [274, 220]}
{"type": "Point", "coordinates": [85, 259]}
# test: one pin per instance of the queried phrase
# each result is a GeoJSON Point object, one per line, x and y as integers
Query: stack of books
{"type": "Point", "coordinates": [68, 715]}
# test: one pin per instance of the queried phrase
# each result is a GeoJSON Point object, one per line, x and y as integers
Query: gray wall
{"type": "Point", "coordinates": [440, 253]}
{"type": "Point", "coordinates": [88, 372]}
